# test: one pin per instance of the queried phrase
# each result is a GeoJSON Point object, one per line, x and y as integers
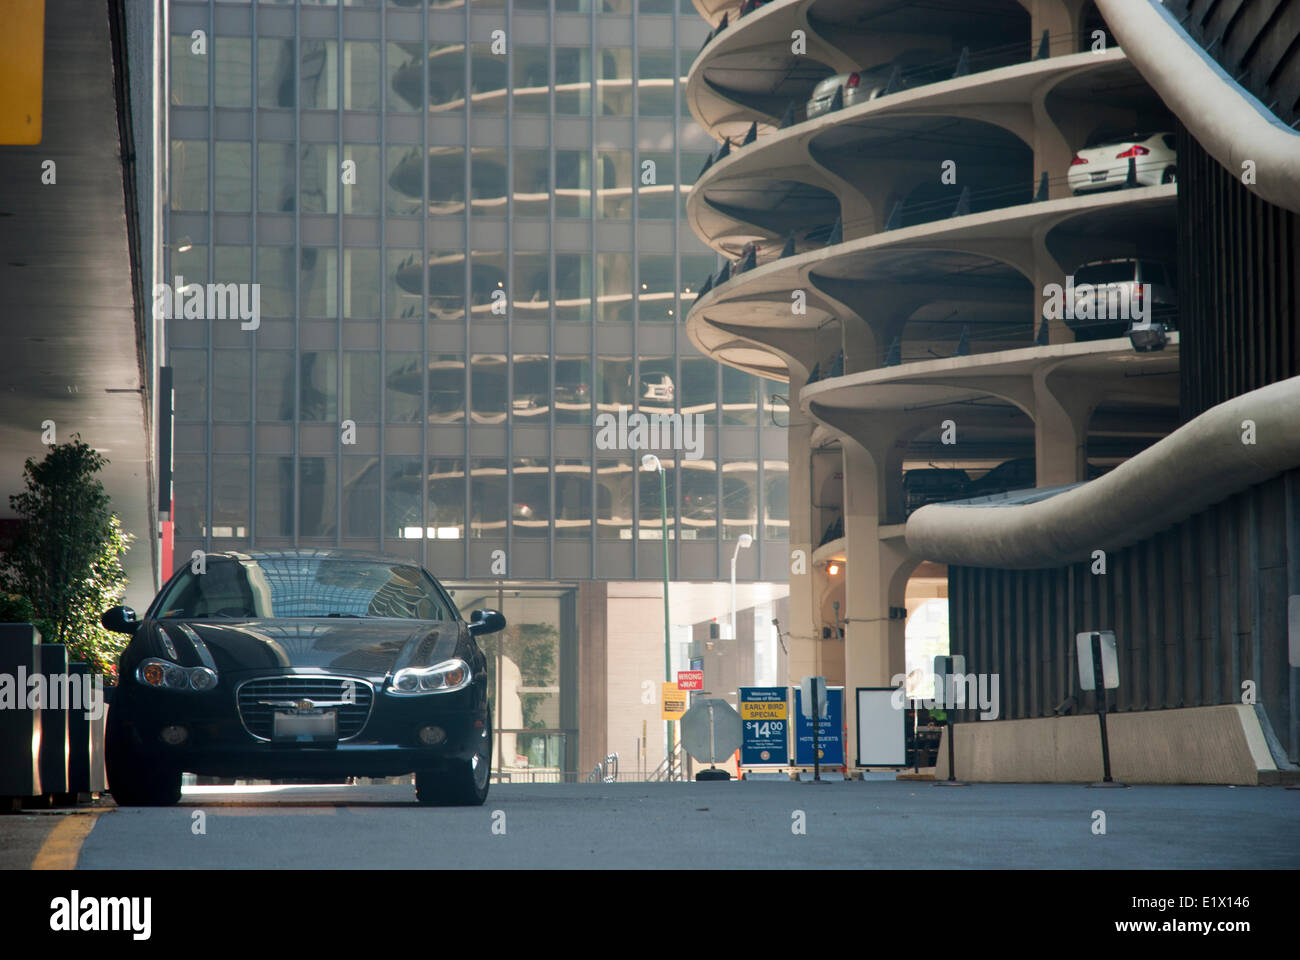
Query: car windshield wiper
{"type": "Point", "coordinates": [356, 616]}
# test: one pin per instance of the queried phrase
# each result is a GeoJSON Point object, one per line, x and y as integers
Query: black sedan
{"type": "Point", "coordinates": [293, 664]}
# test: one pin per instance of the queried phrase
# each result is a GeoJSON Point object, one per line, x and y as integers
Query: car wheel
{"type": "Point", "coordinates": [131, 782]}
{"type": "Point", "coordinates": [1170, 175]}
{"type": "Point", "coordinates": [463, 783]}
{"type": "Point", "coordinates": [712, 774]}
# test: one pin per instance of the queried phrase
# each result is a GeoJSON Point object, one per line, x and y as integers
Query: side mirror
{"type": "Point", "coordinates": [485, 621]}
{"type": "Point", "coordinates": [119, 620]}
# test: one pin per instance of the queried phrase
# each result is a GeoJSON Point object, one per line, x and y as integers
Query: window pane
{"type": "Point", "coordinates": [319, 276]}
{"type": "Point", "coordinates": [232, 61]}
{"type": "Point", "coordinates": [699, 499]}
{"type": "Point", "coordinates": [361, 284]}
{"type": "Point", "coordinates": [446, 181]}
{"type": "Point", "coordinates": [189, 175]}
{"type": "Point", "coordinates": [230, 390]}
{"type": "Point", "coordinates": [700, 388]}
{"type": "Point", "coordinates": [403, 285]}
{"type": "Point", "coordinates": [446, 498]}
{"type": "Point", "coordinates": [532, 287]}
{"type": "Point", "coordinates": [190, 490]}
{"type": "Point", "coordinates": [318, 386]}
{"type": "Point", "coordinates": [320, 76]}
{"type": "Point", "coordinates": [776, 500]}
{"type": "Point", "coordinates": [274, 496]}
{"type": "Point", "coordinates": [488, 387]}
{"type": "Point", "coordinates": [656, 297]}
{"type": "Point", "coordinates": [614, 499]}
{"type": "Point", "coordinates": [614, 287]}
{"type": "Point", "coordinates": [275, 73]}
{"type": "Point", "coordinates": [652, 498]}
{"type": "Point", "coordinates": [274, 385]}
{"type": "Point", "coordinates": [655, 200]}
{"type": "Point", "coordinates": [446, 285]}
{"type": "Point", "coordinates": [320, 178]}
{"type": "Point", "coordinates": [531, 388]}
{"type": "Point", "coordinates": [360, 75]}
{"type": "Point", "coordinates": [190, 376]}
{"type": "Point", "coordinates": [361, 496]}
{"type": "Point", "coordinates": [276, 190]}
{"type": "Point", "coordinates": [487, 497]}
{"type": "Point", "coordinates": [234, 186]}
{"type": "Point", "coordinates": [655, 83]}
{"type": "Point", "coordinates": [403, 383]}
{"type": "Point", "coordinates": [362, 195]}
{"type": "Point", "coordinates": [405, 76]}
{"type": "Point", "coordinates": [572, 183]}
{"type": "Point", "coordinates": [613, 384]}
{"type": "Point", "coordinates": [446, 388]}
{"type": "Point", "coordinates": [572, 498]}
{"type": "Point", "coordinates": [404, 182]}
{"type": "Point", "coordinates": [573, 287]}
{"type": "Point", "coordinates": [317, 497]}
{"type": "Point", "coordinates": [614, 82]}
{"type": "Point", "coordinates": [739, 500]}
{"type": "Point", "coordinates": [189, 74]}
{"type": "Point", "coordinates": [276, 274]}
{"type": "Point", "coordinates": [656, 387]}
{"type": "Point", "coordinates": [573, 81]}
{"type": "Point", "coordinates": [614, 184]}
{"type": "Point", "coordinates": [739, 397]}
{"type": "Point", "coordinates": [530, 514]}
{"type": "Point", "coordinates": [403, 496]}
{"type": "Point", "coordinates": [532, 187]}
{"type": "Point", "coordinates": [229, 497]}
{"type": "Point", "coordinates": [487, 181]}
{"type": "Point", "coordinates": [487, 279]}
{"type": "Point", "coordinates": [361, 386]}
{"type": "Point", "coordinates": [488, 81]}
{"type": "Point", "coordinates": [532, 79]}
{"type": "Point", "coordinates": [573, 390]}
{"type": "Point", "coordinates": [446, 77]}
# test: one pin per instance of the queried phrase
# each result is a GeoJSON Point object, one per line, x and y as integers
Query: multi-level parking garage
{"type": "Point", "coordinates": [907, 194]}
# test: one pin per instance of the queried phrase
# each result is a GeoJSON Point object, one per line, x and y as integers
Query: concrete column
{"type": "Point", "coordinates": [874, 645]}
{"type": "Point", "coordinates": [804, 626]}
{"type": "Point", "coordinates": [1062, 406]}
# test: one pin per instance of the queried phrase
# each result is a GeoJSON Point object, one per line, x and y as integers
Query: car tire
{"type": "Point", "coordinates": [132, 783]}
{"type": "Point", "coordinates": [712, 774]}
{"type": "Point", "coordinates": [462, 783]}
{"type": "Point", "coordinates": [1170, 175]}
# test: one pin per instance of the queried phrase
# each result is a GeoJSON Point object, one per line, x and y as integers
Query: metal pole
{"type": "Point", "coordinates": [817, 729]}
{"type": "Point", "coordinates": [1098, 684]}
{"type": "Point", "coordinates": [668, 657]}
{"type": "Point", "coordinates": [733, 592]}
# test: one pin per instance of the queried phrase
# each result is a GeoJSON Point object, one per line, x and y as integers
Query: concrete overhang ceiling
{"type": "Point", "coordinates": [68, 324]}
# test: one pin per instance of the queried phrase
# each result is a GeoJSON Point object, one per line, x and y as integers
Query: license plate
{"type": "Point", "coordinates": [305, 726]}
{"type": "Point", "coordinates": [1099, 176]}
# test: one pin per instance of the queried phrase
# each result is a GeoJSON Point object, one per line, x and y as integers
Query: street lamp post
{"type": "Point", "coordinates": [741, 544]}
{"type": "Point", "coordinates": [651, 462]}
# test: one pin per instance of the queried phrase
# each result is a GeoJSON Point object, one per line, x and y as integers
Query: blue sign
{"type": "Point", "coordinates": [765, 720]}
{"type": "Point", "coordinates": [830, 735]}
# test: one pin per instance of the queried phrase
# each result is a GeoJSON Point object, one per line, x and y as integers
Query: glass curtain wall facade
{"type": "Point", "coordinates": [464, 224]}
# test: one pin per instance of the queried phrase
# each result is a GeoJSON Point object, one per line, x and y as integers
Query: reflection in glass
{"type": "Point", "coordinates": [487, 181]}
{"type": "Point", "coordinates": [614, 485]}
{"type": "Point", "coordinates": [318, 277]}
{"type": "Point", "coordinates": [274, 496]}
{"type": "Point", "coordinates": [361, 196]}
{"type": "Point", "coordinates": [739, 500]}
{"type": "Point", "coordinates": [531, 298]}
{"type": "Point", "coordinates": [229, 496]}
{"type": "Point", "coordinates": [487, 276]}
{"type": "Point", "coordinates": [446, 499]}
{"type": "Point", "coordinates": [572, 183]}
{"type": "Point", "coordinates": [487, 497]}
{"type": "Point", "coordinates": [274, 385]}
{"type": "Point", "coordinates": [403, 496]}
{"type": "Point", "coordinates": [361, 75]}
{"type": "Point", "coordinates": [613, 384]}
{"type": "Point", "coordinates": [320, 180]}
{"type": "Point", "coordinates": [532, 187]}
{"type": "Point", "coordinates": [651, 498]}
{"type": "Point", "coordinates": [446, 181]}
{"type": "Point", "coordinates": [655, 200]}
{"type": "Point", "coordinates": [233, 191]}
{"type": "Point", "coordinates": [655, 83]}
{"type": "Point", "coordinates": [530, 400]}
{"type": "Point", "coordinates": [405, 76]}
{"type": "Point", "coordinates": [317, 492]}
{"type": "Point", "coordinates": [573, 287]}
{"type": "Point", "coordinates": [700, 388]}
{"type": "Point", "coordinates": [403, 386]}
{"type": "Point", "coordinates": [233, 63]}
{"type": "Point", "coordinates": [739, 397]}
{"type": "Point", "coordinates": [189, 74]}
{"type": "Point", "coordinates": [530, 513]}
{"type": "Point", "coordinates": [614, 184]}
{"type": "Point", "coordinates": [614, 287]}
{"type": "Point", "coordinates": [699, 499]}
{"type": "Point", "coordinates": [776, 500]}
{"type": "Point", "coordinates": [230, 385]}
{"type": "Point", "coordinates": [614, 82]}
{"type": "Point", "coordinates": [361, 496]}
{"type": "Point", "coordinates": [446, 388]}
{"type": "Point", "coordinates": [317, 385]}
{"type": "Point", "coordinates": [275, 73]}
{"type": "Point", "coordinates": [190, 376]}
{"type": "Point", "coordinates": [656, 385]}
{"type": "Point", "coordinates": [404, 182]}
{"type": "Point", "coordinates": [488, 80]}
{"type": "Point", "coordinates": [276, 187]}
{"type": "Point", "coordinates": [189, 175]}
{"type": "Point", "coordinates": [572, 498]}
{"type": "Point", "coordinates": [361, 284]}
{"type": "Point", "coordinates": [573, 390]}
{"type": "Point", "coordinates": [319, 78]}
{"type": "Point", "coordinates": [446, 284]}
{"type": "Point", "coordinates": [532, 79]}
{"type": "Point", "coordinates": [573, 81]}
{"type": "Point", "coordinates": [361, 386]}
{"type": "Point", "coordinates": [656, 298]}
{"type": "Point", "coordinates": [488, 388]}
{"type": "Point", "coordinates": [403, 286]}
{"type": "Point", "coordinates": [277, 276]}
{"type": "Point", "coordinates": [446, 77]}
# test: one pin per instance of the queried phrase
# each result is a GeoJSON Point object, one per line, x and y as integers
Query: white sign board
{"type": "Point", "coordinates": [882, 737]}
{"type": "Point", "coordinates": [806, 697]}
{"type": "Point", "coordinates": [1109, 659]}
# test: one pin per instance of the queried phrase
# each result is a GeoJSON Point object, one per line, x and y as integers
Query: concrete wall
{"type": "Point", "coordinates": [1199, 745]}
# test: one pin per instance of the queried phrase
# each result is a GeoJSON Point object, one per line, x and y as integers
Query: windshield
{"type": "Point", "coordinates": [1119, 272]}
{"type": "Point", "coordinates": [303, 587]}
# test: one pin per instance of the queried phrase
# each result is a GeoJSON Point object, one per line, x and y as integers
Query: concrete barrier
{"type": "Point", "coordinates": [54, 720]}
{"type": "Point", "coordinates": [1220, 744]}
{"type": "Point", "coordinates": [85, 743]}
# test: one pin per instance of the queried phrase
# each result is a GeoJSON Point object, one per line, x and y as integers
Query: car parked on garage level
{"type": "Point", "coordinates": [1103, 163]}
{"type": "Point", "coordinates": [301, 663]}
{"type": "Point", "coordinates": [932, 485]}
{"type": "Point", "coordinates": [861, 86]}
{"type": "Point", "coordinates": [1111, 295]}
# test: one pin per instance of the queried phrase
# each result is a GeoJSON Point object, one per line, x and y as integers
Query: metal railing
{"type": "Point", "coordinates": [606, 771]}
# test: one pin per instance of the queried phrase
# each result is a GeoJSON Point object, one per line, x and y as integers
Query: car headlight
{"type": "Point", "coordinates": [443, 677]}
{"type": "Point", "coordinates": [160, 674]}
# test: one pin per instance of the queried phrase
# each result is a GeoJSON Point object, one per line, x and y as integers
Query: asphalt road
{"type": "Point", "coordinates": [873, 824]}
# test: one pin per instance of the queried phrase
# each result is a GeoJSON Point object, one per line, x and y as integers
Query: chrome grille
{"type": "Point", "coordinates": [257, 717]}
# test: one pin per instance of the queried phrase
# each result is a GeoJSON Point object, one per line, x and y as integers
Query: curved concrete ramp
{"type": "Point", "coordinates": [1225, 118]}
{"type": "Point", "coordinates": [1235, 445]}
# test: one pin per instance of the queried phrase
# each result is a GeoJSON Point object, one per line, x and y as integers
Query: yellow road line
{"type": "Point", "coordinates": [63, 846]}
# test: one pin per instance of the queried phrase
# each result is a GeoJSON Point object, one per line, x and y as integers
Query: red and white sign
{"type": "Point", "coordinates": [690, 679]}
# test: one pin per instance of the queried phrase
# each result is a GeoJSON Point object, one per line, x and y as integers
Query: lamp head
{"type": "Point", "coordinates": [745, 540]}
{"type": "Point", "coordinates": [651, 462]}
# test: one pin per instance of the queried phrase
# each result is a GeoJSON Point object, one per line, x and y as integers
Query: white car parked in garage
{"type": "Point", "coordinates": [1103, 163]}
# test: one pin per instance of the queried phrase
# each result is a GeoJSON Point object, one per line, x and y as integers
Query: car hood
{"type": "Point", "coordinates": [364, 647]}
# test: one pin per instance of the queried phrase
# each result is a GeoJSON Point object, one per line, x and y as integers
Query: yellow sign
{"type": "Point", "coordinates": [762, 711]}
{"type": "Point", "coordinates": [22, 66]}
{"type": "Point", "coordinates": [674, 701]}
